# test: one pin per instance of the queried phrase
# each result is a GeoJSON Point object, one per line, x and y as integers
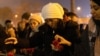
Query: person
{"type": "Point", "coordinates": [70, 16]}
{"type": "Point", "coordinates": [23, 25]}
{"type": "Point", "coordinates": [72, 28]}
{"type": "Point", "coordinates": [22, 30]}
{"type": "Point", "coordinates": [94, 28]}
{"type": "Point", "coordinates": [65, 12]}
{"type": "Point", "coordinates": [35, 21]}
{"type": "Point", "coordinates": [10, 32]}
{"type": "Point", "coordinates": [83, 46]}
{"type": "Point", "coordinates": [9, 28]}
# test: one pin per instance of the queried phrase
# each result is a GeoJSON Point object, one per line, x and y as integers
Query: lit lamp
{"type": "Point", "coordinates": [78, 8]}
{"type": "Point", "coordinates": [16, 16]}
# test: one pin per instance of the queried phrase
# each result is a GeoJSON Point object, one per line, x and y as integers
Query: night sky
{"type": "Point", "coordinates": [36, 5]}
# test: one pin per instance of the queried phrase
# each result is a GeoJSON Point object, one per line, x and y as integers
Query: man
{"type": "Point", "coordinates": [23, 25]}
{"type": "Point", "coordinates": [75, 31]}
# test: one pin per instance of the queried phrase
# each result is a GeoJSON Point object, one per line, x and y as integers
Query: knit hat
{"type": "Point", "coordinates": [52, 10]}
{"type": "Point", "coordinates": [37, 17]}
{"type": "Point", "coordinates": [97, 2]}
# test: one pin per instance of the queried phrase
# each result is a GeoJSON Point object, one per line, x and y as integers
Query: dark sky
{"type": "Point", "coordinates": [37, 4]}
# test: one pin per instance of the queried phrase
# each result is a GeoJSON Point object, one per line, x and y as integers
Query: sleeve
{"type": "Point", "coordinates": [36, 40]}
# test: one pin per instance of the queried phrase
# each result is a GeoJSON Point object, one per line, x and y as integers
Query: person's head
{"type": "Point", "coordinates": [65, 10]}
{"type": "Point", "coordinates": [65, 14]}
{"type": "Point", "coordinates": [71, 16]}
{"type": "Point", "coordinates": [65, 17]}
{"type": "Point", "coordinates": [95, 9]}
{"type": "Point", "coordinates": [35, 21]}
{"type": "Point", "coordinates": [25, 16]}
{"type": "Point", "coordinates": [8, 23]}
{"type": "Point", "coordinates": [52, 13]}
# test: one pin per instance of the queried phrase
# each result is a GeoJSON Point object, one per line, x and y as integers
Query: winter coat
{"type": "Point", "coordinates": [22, 35]}
{"type": "Point", "coordinates": [45, 36]}
{"type": "Point", "coordinates": [83, 48]}
{"type": "Point", "coordinates": [72, 34]}
{"type": "Point", "coordinates": [43, 39]}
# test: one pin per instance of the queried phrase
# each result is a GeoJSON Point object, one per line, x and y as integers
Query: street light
{"type": "Point", "coordinates": [78, 8]}
{"type": "Point", "coordinates": [78, 11]}
{"type": "Point", "coordinates": [16, 16]}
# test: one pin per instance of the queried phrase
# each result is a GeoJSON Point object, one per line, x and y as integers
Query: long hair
{"type": "Point", "coordinates": [97, 22]}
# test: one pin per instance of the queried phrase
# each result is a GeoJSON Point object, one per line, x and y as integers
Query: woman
{"type": "Point", "coordinates": [94, 27]}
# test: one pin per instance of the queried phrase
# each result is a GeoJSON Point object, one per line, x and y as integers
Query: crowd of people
{"type": "Point", "coordinates": [59, 35]}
